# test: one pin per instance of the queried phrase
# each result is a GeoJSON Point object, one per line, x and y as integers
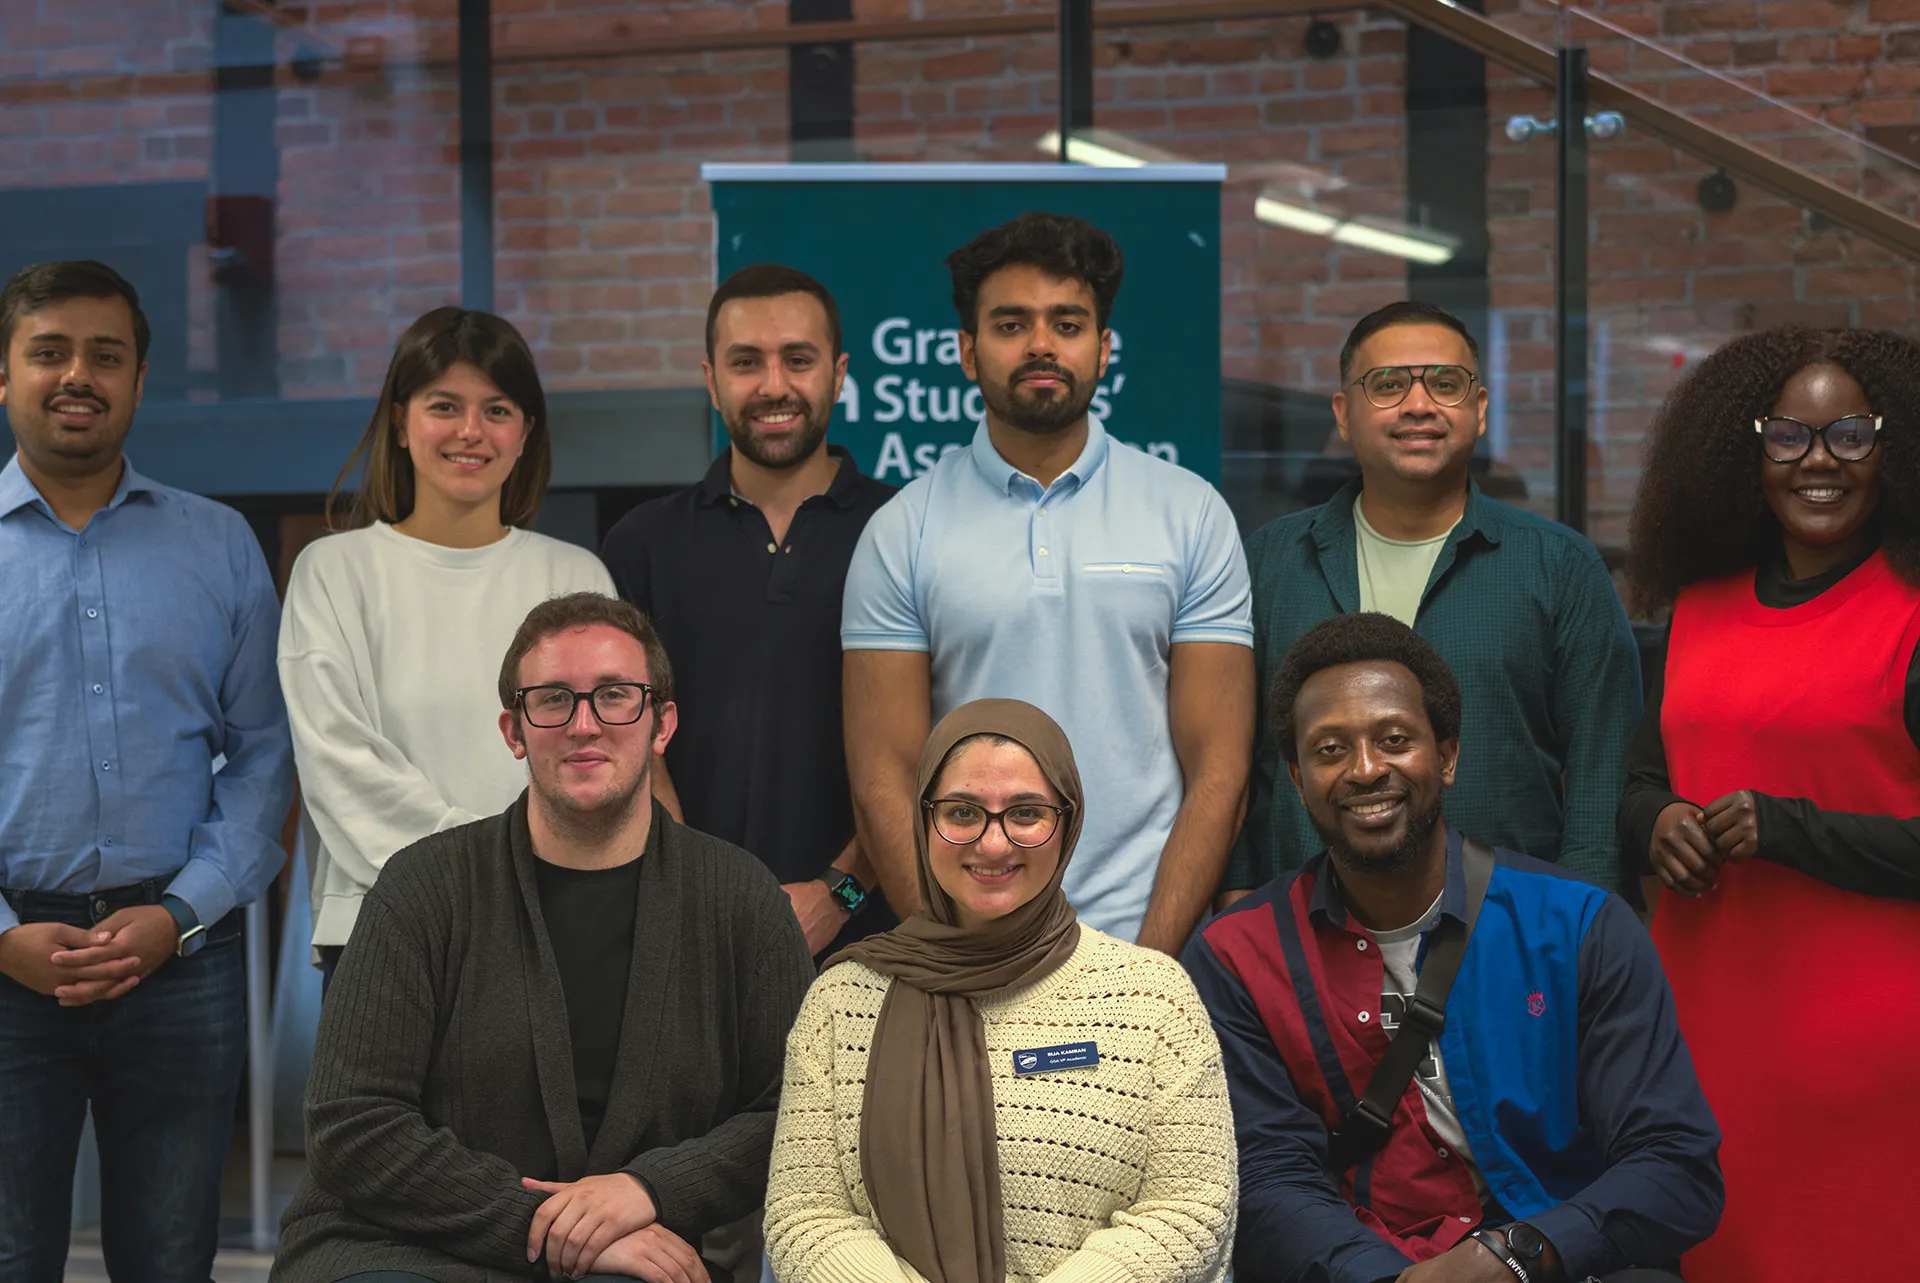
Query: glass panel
{"type": "Point", "coordinates": [1325, 219]}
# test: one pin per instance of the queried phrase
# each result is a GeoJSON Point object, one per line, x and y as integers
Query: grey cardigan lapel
{"type": "Point", "coordinates": [547, 1012]}
{"type": "Point", "coordinates": [656, 957]}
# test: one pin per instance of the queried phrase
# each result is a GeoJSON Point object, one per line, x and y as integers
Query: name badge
{"type": "Point", "coordinates": [1044, 1060]}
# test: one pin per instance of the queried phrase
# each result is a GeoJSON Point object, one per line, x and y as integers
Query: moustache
{"type": "Point", "coordinates": [1048, 368]}
{"type": "Point", "coordinates": [785, 405]}
{"type": "Point", "coordinates": [1384, 789]}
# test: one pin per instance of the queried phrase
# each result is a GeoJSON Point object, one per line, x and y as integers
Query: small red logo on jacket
{"type": "Point", "coordinates": [1536, 1003]}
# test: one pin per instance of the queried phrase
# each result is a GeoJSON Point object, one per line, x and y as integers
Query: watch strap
{"type": "Point", "coordinates": [190, 931]}
{"type": "Point", "coordinates": [1494, 1243]}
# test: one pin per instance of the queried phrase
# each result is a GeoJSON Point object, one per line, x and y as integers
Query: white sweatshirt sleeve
{"type": "Point", "coordinates": [367, 801]}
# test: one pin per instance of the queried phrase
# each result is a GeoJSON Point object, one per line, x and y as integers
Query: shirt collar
{"type": "Point", "coordinates": [841, 491]}
{"type": "Point", "coordinates": [1333, 522]}
{"type": "Point", "coordinates": [17, 491]}
{"type": "Point", "coordinates": [1328, 901]}
{"type": "Point", "coordinates": [1001, 475]}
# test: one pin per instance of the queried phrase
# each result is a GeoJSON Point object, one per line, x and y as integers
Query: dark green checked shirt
{"type": "Point", "coordinates": [1523, 611]}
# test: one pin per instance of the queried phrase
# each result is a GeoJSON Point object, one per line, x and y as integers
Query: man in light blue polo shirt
{"type": "Point", "coordinates": [1053, 564]}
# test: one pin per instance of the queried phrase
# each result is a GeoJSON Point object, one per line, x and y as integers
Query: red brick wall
{"type": "Point", "coordinates": [604, 232]}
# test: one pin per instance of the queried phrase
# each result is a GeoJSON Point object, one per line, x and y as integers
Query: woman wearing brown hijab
{"type": "Point", "coordinates": [992, 1092]}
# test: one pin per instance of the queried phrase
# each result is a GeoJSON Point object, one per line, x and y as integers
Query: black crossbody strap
{"type": "Point", "coordinates": [1367, 1127]}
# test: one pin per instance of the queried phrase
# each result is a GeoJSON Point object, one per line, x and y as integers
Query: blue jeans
{"type": "Point", "coordinates": [161, 1069]}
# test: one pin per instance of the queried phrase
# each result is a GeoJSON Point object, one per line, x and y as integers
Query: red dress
{"type": "Point", "coordinates": [1796, 997]}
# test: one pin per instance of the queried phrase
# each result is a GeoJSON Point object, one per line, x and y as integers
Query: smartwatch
{"type": "Point", "coordinates": [1528, 1245]}
{"type": "Point", "coordinates": [185, 921]}
{"type": "Point", "coordinates": [1490, 1240]}
{"type": "Point", "coordinates": [845, 890]}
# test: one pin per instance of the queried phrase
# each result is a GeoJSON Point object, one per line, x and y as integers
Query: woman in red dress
{"type": "Point", "coordinates": [1774, 782]}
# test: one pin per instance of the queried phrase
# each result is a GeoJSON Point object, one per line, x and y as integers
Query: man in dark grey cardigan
{"type": "Point", "coordinates": [555, 1044]}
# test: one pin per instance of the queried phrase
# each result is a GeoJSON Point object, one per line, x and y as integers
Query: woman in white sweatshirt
{"type": "Point", "coordinates": [391, 642]}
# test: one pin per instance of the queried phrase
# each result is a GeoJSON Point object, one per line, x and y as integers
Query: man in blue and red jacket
{"type": "Point", "coordinates": [1554, 1130]}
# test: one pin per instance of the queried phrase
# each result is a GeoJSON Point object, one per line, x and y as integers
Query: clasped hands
{"type": "Point", "coordinates": [605, 1225]}
{"type": "Point", "coordinates": [1690, 844]}
{"type": "Point", "coordinates": [79, 965]}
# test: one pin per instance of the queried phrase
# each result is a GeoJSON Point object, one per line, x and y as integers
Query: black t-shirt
{"type": "Point", "coordinates": [590, 916]}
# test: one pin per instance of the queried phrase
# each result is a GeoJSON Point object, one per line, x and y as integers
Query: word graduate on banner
{"type": "Point", "coordinates": [878, 237]}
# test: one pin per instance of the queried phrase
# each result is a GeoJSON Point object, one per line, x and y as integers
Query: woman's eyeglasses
{"type": "Point", "coordinates": [1849, 439]}
{"type": "Point", "coordinates": [962, 823]}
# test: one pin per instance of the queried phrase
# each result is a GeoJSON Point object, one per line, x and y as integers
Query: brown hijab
{"type": "Point", "coordinates": [928, 1150]}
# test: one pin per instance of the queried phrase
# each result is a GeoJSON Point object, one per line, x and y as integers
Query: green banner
{"type": "Point", "coordinates": [878, 237]}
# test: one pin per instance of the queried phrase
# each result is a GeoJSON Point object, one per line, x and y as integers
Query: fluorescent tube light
{"type": "Point", "coordinates": [1416, 245]}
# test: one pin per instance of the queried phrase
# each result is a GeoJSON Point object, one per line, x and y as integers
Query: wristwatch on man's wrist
{"type": "Point", "coordinates": [1529, 1247]}
{"type": "Point", "coordinates": [193, 934]}
{"type": "Point", "coordinates": [845, 890]}
{"type": "Point", "coordinates": [1492, 1241]}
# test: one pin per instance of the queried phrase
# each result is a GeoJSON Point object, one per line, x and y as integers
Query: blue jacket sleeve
{"type": "Point", "coordinates": [236, 852]}
{"type": "Point", "coordinates": [1294, 1225]}
{"type": "Point", "coordinates": [1662, 1192]}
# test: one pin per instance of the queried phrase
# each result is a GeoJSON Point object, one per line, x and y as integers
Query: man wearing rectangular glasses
{"type": "Point", "coordinates": [557, 1036]}
{"type": "Point", "coordinates": [1522, 609]}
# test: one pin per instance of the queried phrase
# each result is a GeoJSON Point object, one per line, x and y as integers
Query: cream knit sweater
{"type": "Point", "coordinates": [1123, 1171]}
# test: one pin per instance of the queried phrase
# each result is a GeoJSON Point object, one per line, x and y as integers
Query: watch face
{"type": "Point", "coordinates": [1525, 1242]}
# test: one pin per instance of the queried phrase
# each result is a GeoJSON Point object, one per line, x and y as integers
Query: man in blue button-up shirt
{"type": "Point", "coordinates": [144, 777]}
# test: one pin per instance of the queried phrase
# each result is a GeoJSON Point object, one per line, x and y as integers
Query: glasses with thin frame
{"type": "Point", "coordinates": [614, 703]}
{"type": "Point", "coordinates": [1388, 385]}
{"type": "Point", "coordinates": [962, 822]}
{"type": "Point", "coordinates": [1849, 438]}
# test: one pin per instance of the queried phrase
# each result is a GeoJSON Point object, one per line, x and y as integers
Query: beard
{"type": "Point", "coordinates": [595, 822]}
{"type": "Point", "coordinates": [1038, 412]}
{"type": "Point", "coordinates": [1403, 855]}
{"type": "Point", "coordinates": [786, 450]}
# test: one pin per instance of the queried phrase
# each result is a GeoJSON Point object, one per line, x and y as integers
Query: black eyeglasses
{"type": "Point", "coordinates": [961, 822]}
{"type": "Point", "coordinates": [1388, 385]}
{"type": "Point", "coordinates": [614, 703]}
{"type": "Point", "coordinates": [1848, 439]}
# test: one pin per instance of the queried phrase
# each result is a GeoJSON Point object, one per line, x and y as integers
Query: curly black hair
{"type": "Point", "coordinates": [1061, 245]}
{"type": "Point", "coordinates": [1699, 512]}
{"type": "Point", "coordinates": [1354, 639]}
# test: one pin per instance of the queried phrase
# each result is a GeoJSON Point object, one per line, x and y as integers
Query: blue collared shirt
{"type": "Point", "coordinates": [1069, 597]}
{"type": "Point", "coordinates": [133, 655]}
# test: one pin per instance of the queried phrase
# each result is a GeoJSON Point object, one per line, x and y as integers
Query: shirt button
{"type": "Point", "coordinates": [1443, 1151]}
{"type": "Point", "coordinates": [1043, 552]}
{"type": "Point", "coordinates": [106, 766]}
{"type": "Point", "coordinates": [773, 548]}
{"type": "Point", "coordinates": [1365, 1016]}
{"type": "Point", "coordinates": [1042, 512]}
{"type": "Point", "coordinates": [98, 689]}
{"type": "Point", "coordinates": [92, 613]}
{"type": "Point", "coordinates": [1125, 569]}
{"type": "Point", "coordinates": [1361, 945]}
{"type": "Point", "coordinates": [107, 842]}
{"type": "Point", "coordinates": [734, 502]}
{"type": "Point", "coordinates": [1466, 1220]}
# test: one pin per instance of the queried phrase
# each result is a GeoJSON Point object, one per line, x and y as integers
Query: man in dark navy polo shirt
{"type": "Point", "coordinates": [742, 576]}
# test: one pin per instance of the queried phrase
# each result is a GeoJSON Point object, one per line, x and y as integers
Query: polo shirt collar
{"type": "Point", "coordinates": [1001, 475]}
{"type": "Point", "coordinates": [17, 491]}
{"type": "Point", "coordinates": [1333, 523]}
{"type": "Point", "coordinates": [717, 485]}
{"type": "Point", "coordinates": [1328, 902]}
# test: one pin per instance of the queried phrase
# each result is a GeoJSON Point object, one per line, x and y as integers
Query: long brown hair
{"type": "Point", "coordinates": [443, 338]}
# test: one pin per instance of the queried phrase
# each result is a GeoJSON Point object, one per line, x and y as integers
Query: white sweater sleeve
{"type": "Point", "coordinates": [366, 799]}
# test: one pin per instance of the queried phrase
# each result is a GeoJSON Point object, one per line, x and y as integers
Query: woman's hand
{"type": "Point", "coordinates": [1734, 825]}
{"type": "Point", "coordinates": [1682, 854]}
{"type": "Point", "coordinates": [655, 1254]}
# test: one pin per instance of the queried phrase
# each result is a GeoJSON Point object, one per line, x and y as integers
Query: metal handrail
{"type": "Point", "coordinates": [1764, 170]}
